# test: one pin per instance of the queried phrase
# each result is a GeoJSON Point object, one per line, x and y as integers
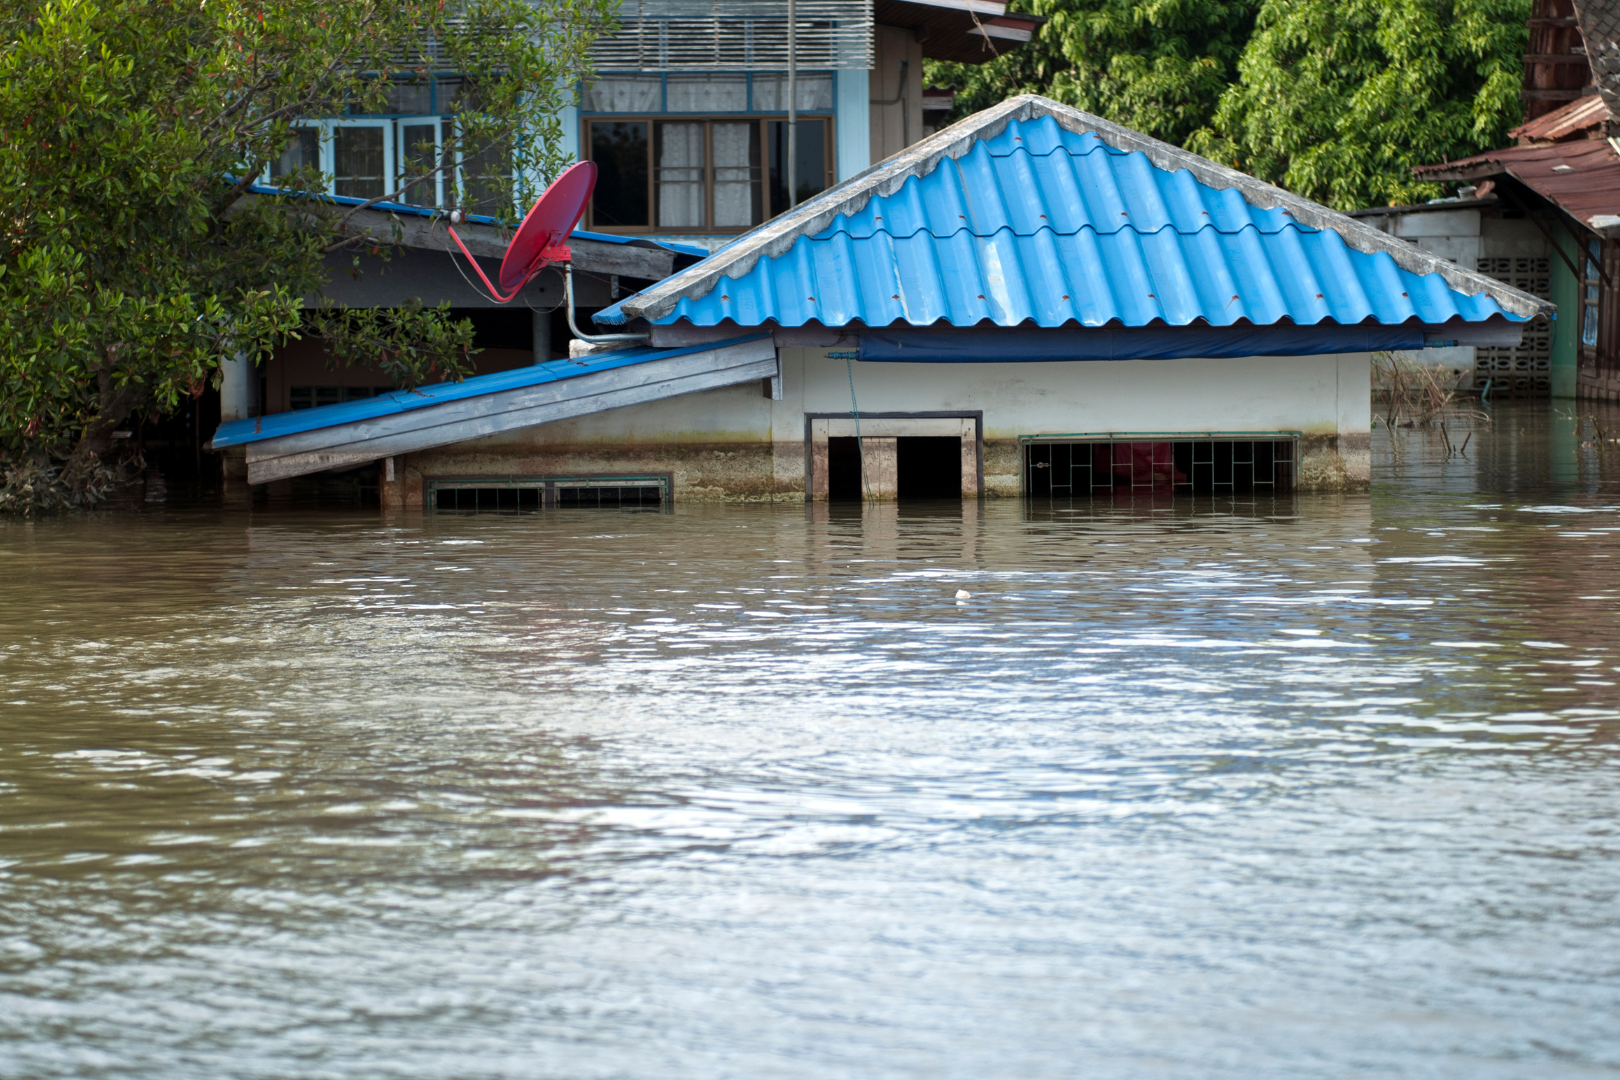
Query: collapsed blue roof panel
{"type": "Point", "coordinates": [1038, 224]}
{"type": "Point", "coordinates": [254, 429]}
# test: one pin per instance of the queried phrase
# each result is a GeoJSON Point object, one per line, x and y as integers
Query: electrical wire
{"type": "Point", "coordinates": [855, 410]}
{"type": "Point", "coordinates": [469, 281]}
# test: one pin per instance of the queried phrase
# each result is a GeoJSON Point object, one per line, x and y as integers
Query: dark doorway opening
{"type": "Point", "coordinates": [843, 469]}
{"type": "Point", "coordinates": [928, 467]}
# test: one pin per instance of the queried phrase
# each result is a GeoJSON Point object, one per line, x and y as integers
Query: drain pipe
{"type": "Point", "coordinates": [793, 110]}
{"type": "Point", "coordinates": [905, 105]}
{"type": "Point", "coordinates": [573, 327]}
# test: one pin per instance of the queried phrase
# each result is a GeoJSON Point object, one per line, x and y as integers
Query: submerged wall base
{"type": "Point", "coordinates": [741, 444]}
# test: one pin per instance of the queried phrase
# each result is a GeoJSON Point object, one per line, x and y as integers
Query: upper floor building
{"type": "Point", "coordinates": [687, 114]}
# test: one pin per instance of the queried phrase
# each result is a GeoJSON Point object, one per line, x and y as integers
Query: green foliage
{"type": "Point", "coordinates": [1158, 66]}
{"type": "Point", "coordinates": [1334, 99]}
{"type": "Point", "coordinates": [1338, 99]}
{"type": "Point", "coordinates": [130, 130]}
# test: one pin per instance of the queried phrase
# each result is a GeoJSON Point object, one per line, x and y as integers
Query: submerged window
{"type": "Point", "coordinates": [532, 494]}
{"type": "Point", "coordinates": [1060, 468]}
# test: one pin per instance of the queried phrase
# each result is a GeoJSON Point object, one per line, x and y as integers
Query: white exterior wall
{"type": "Point", "coordinates": [1474, 241]}
{"type": "Point", "coordinates": [1454, 235]}
{"type": "Point", "coordinates": [737, 443]}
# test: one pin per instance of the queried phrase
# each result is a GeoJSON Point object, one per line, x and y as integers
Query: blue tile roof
{"type": "Point", "coordinates": [237, 432]}
{"type": "Point", "coordinates": [1045, 226]}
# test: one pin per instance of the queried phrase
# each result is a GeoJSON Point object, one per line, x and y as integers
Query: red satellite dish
{"type": "Point", "coordinates": [539, 239]}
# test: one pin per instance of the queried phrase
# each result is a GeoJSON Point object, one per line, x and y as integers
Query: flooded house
{"type": "Point", "coordinates": [1034, 301]}
{"type": "Point", "coordinates": [687, 118]}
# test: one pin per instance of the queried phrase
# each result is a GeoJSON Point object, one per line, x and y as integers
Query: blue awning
{"type": "Point", "coordinates": [279, 425]}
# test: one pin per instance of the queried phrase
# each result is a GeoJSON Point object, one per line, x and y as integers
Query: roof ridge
{"type": "Point", "coordinates": [1308, 230]}
{"type": "Point", "coordinates": [850, 196]}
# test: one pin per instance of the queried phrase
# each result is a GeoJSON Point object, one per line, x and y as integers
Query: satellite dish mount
{"type": "Point", "coordinates": [540, 240]}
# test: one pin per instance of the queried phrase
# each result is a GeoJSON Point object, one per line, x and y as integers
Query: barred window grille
{"type": "Point", "coordinates": [737, 35]}
{"type": "Point", "coordinates": [517, 495]}
{"type": "Point", "coordinates": [1523, 370]}
{"type": "Point", "coordinates": [1061, 468]}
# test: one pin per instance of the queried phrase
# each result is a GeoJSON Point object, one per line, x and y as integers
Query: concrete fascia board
{"type": "Point", "coordinates": [486, 241]}
{"type": "Point", "coordinates": [886, 177]}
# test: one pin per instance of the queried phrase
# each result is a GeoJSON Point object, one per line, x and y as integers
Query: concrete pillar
{"type": "Point", "coordinates": [970, 459]}
{"type": "Point", "coordinates": [542, 336]}
{"type": "Point", "coordinates": [238, 388]}
{"type": "Point", "coordinates": [880, 482]}
{"type": "Point", "coordinates": [390, 488]}
{"type": "Point", "coordinates": [399, 487]}
{"type": "Point", "coordinates": [238, 393]}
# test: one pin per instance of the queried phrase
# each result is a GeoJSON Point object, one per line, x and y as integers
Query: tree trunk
{"type": "Point", "coordinates": [113, 408]}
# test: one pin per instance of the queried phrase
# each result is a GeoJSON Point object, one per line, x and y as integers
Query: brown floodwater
{"type": "Point", "coordinates": [1320, 787]}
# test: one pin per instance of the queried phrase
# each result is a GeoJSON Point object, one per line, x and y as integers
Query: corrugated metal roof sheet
{"type": "Point", "coordinates": [1581, 175]}
{"type": "Point", "coordinates": [1578, 116]}
{"type": "Point", "coordinates": [1033, 213]}
{"type": "Point", "coordinates": [1039, 225]}
{"type": "Point", "coordinates": [238, 432]}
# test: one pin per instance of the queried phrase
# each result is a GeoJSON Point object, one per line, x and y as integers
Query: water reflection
{"type": "Point", "coordinates": [1313, 787]}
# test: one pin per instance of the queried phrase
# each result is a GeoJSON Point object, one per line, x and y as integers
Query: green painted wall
{"type": "Point", "coordinates": [1567, 324]}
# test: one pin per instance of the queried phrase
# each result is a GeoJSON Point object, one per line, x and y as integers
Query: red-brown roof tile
{"type": "Point", "coordinates": [1581, 176]}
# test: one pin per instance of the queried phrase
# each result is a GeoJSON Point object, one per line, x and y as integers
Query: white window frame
{"type": "Point", "coordinates": [392, 146]}
{"type": "Point", "coordinates": [437, 122]}
{"type": "Point", "coordinates": [329, 149]}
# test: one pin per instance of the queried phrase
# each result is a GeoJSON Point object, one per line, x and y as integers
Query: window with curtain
{"type": "Point", "coordinates": [738, 200]}
{"type": "Point", "coordinates": [664, 169]}
{"type": "Point", "coordinates": [678, 174]}
{"type": "Point", "coordinates": [710, 175]}
{"type": "Point", "coordinates": [706, 93]}
{"type": "Point", "coordinates": [814, 92]}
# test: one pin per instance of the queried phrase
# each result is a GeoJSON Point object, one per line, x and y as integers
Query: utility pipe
{"type": "Point", "coordinates": [793, 112]}
{"type": "Point", "coordinates": [905, 106]}
{"type": "Point", "coordinates": [593, 339]}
